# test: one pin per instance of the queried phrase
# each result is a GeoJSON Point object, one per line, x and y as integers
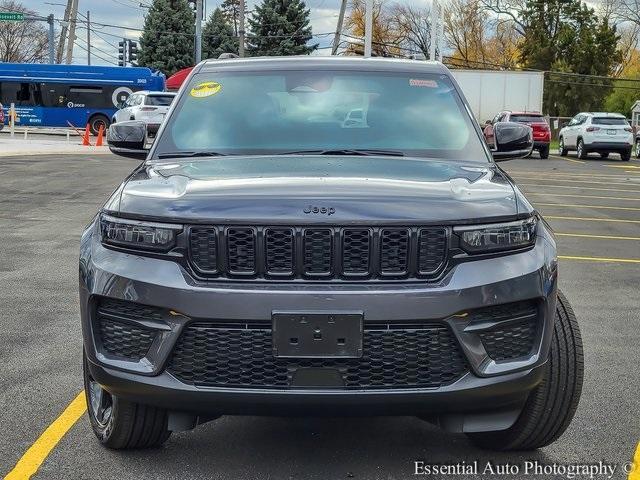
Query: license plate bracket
{"type": "Point", "coordinates": [317, 335]}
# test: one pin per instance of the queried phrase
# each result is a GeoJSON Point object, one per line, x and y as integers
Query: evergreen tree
{"type": "Point", "coordinates": [231, 11]}
{"type": "Point", "coordinates": [280, 27]}
{"type": "Point", "coordinates": [167, 41]}
{"type": "Point", "coordinates": [568, 36]}
{"type": "Point", "coordinates": [217, 36]}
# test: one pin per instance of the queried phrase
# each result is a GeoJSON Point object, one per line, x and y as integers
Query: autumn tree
{"type": "Point", "coordinates": [386, 38]}
{"type": "Point", "coordinates": [412, 26]}
{"type": "Point", "coordinates": [22, 42]}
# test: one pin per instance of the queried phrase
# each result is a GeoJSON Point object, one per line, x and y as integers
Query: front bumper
{"type": "Point", "coordinates": [493, 391]}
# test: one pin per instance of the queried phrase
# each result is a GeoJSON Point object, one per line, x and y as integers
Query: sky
{"type": "Point", "coordinates": [129, 14]}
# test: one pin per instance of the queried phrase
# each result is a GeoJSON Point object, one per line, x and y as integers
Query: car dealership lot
{"type": "Point", "coordinates": [593, 205]}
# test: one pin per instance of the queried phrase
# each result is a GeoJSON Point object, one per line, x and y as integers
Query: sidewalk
{"type": "Point", "coordinates": [43, 146]}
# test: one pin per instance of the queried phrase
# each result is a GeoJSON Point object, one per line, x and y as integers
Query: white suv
{"type": "Point", "coordinates": [148, 107]}
{"type": "Point", "coordinates": [599, 132]}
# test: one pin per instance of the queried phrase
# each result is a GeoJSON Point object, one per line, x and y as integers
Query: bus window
{"type": "Point", "coordinates": [18, 93]}
{"type": "Point", "coordinates": [53, 94]}
{"type": "Point", "coordinates": [89, 97]}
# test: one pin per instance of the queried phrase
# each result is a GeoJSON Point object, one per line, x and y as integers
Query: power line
{"type": "Point", "coordinates": [97, 56]}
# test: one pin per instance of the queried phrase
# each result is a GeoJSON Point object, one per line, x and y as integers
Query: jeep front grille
{"type": "Point", "coordinates": [347, 253]}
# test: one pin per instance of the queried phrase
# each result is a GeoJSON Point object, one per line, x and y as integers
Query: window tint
{"type": "Point", "coordinates": [527, 118]}
{"type": "Point", "coordinates": [22, 94]}
{"type": "Point", "coordinates": [88, 97]}
{"type": "Point", "coordinates": [608, 121]}
{"type": "Point", "coordinates": [159, 100]}
{"type": "Point", "coordinates": [53, 94]}
{"type": "Point", "coordinates": [245, 112]}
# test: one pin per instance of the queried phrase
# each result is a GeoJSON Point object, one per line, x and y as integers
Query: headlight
{"type": "Point", "coordinates": [159, 237]}
{"type": "Point", "coordinates": [497, 236]}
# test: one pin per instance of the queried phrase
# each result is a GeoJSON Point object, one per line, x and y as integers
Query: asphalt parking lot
{"type": "Point", "coordinates": [593, 205]}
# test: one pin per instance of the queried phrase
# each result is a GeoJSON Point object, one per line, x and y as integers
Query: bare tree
{"type": "Point", "coordinates": [386, 38]}
{"type": "Point", "coordinates": [465, 25]}
{"type": "Point", "coordinates": [509, 9]}
{"type": "Point", "coordinates": [22, 42]}
{"type": "Point", "coordinates": [414, 27]}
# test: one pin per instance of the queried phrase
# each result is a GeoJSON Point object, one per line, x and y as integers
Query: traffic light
{"type": "Point", "coordinates": [133, 51]}
{"type": "Point", "coordinates": [122, 53]}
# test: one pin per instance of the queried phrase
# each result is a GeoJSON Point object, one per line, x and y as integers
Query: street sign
{"type": "Point", "coordinates": [11, 17]}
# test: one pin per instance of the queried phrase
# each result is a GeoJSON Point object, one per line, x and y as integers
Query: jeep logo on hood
{"type": "Point", "coordinates": [320, 210]}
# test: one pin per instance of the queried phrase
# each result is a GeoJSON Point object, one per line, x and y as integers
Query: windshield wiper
{"type": "Point", "coordinates": [191, 154]}
{"type": "Point", "coordinates": [347, 151]}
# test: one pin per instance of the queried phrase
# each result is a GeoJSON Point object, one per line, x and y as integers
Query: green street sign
{"type": "Point", "coordinates": [11, 17]}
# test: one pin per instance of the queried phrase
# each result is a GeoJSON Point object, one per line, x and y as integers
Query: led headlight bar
{"type": "Point", "coordinates": [138, 235]}
{"type": "Point", "coordinates": [498, 236]}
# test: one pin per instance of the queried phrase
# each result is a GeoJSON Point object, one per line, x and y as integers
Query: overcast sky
{"type": "Point", "coordinates": [130, 15]}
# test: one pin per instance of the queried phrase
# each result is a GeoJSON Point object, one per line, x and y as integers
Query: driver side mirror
{"type": "Point", "coordinates": [512, 140]}
{"type": "Point", "coordinates": [128, 139]}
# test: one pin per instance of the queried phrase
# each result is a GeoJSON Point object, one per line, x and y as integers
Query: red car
{"type": "Point", "coordinates": [1, 117]}
{"type": "Point", "coordinates": [541, 130]}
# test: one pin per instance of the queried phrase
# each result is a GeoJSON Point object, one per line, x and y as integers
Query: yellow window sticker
{"type": "Point", "coordinates": [205, 89]}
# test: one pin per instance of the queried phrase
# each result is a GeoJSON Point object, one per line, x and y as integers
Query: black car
{"type": "Point", "coordinates": [324, 236]}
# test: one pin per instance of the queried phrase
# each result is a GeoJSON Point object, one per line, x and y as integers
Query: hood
{"type": "Point", "coordinates": [324, 189]}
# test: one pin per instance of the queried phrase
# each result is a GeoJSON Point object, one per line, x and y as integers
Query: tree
{"type": "Point", "coordinates": [231, 11]}
{"type": "Point", "coordinates": [412, 27]}
{"type": "Point", "coordinates": [22, 42]}
{"type": "Point", "coordinates": [217, 36]}
{"type": "Point", "coordinates": [280, 27]}
{"type": "Point", "coordinates": [167, 41]}
{"type": "Point", "coordinates": [625, 93]}
{"type": "Point", "coordinates": [386, 38]}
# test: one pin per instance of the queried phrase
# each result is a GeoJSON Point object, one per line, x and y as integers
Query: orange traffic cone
{"type": "Point", "coordinates": [100, 135]}
{"type": "Point", "coordinates": [85, 138]}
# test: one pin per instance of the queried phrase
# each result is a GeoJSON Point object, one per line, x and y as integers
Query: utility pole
{"type": "Point", "coordinates": [73, 18]}
{"type": "Point", "coordinates": [63, 32]}
{"type": "Point", "coordinates": [432, 30]}
{"type": "Point", "coordinates": [440, 33]}
{"type": "Point", "coordinates": [52, 40]}
{"type": "Point", "coordinates": [198, 31]}
{"type": "Point", "coordinates": [241, 28]}
{"type": "Point", "coordinates": [88, 37]}
{"type": "Point", "coordinates": [336, 39]}
{"type": "Point", "coordinates": [368, 27]}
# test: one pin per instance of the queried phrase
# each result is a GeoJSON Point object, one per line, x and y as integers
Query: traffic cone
{"type": "Point", "coordinates": [85, 138]}
{"type": "Point", "coordinates": [100, 135]}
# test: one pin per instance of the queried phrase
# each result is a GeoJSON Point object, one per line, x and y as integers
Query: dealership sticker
{"type": "Point", "coordinates": [419, 82]}
{"type": "Point", "coordinates": [205, 89]}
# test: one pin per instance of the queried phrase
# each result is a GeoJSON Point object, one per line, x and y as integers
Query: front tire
{"type": "Point", "coordinates": [582, 153]}
{"type": "Point", "coordinates": [637, 149]}
{"type": "Point", "coordinates": [551, 406]}
{"type": "Point", "coordinates": [121, 424]}
{"type": "Point", "coordinates": [561, 149]}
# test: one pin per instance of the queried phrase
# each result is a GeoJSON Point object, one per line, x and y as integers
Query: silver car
{"type": "Point", "coordinates": [149, 107]}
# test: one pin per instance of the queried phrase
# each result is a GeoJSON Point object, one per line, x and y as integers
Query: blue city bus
{"type": "Point", "coordinates": [59, 95]}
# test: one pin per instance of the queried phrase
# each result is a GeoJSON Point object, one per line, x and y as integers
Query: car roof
{"type": "Point", "coordinates": [306, 62]}
{"type": "Point", "coordinates": [607, 114]}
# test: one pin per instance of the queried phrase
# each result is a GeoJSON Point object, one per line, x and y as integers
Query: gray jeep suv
{"type": "Point", "coordinates": [324, 236]}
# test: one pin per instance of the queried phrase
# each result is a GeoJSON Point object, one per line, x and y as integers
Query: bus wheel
{"type": "Point", "coordinates": [96, 121]}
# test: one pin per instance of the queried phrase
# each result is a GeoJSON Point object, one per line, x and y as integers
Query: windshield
{"type": "Point", "coordinates": [609, 121]}
{"type": "Point", "coordinates": [159, 100]}
{"type": "Point", "coordinates": [335, 112]}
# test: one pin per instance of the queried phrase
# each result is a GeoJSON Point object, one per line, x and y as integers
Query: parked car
{"type": "Point", "coordinates": [541, 130]}
{"type": "Point", "coordinates": [599, 132]}
{"type": "Point", "coordinates": [149, 107]}
{"type": "Point", "coordinates": [1, 117]}
{"type": "Point", "coordinates": [324, 236]}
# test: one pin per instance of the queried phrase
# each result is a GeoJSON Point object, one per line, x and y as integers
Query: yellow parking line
{"type": "Point", "coordinates": [606, 207]}
{"type": "Point", "coordinates": [41, 448]}
{"type": "Point", "coordinates": [600, 259]}
{"type": "Point", "coordinates": [622, 166]}
{"type": "Point", "coordinates": [577, 188]}
{"type": "Point", "coordinates": [547, 174]}
{"type": "Point", "coordinates": [591, 219]}
{"type": "Point", "coordinates": [558, 157]}
{"type": "Point", "coordinates": [634, 473]}
{"type": "Point", "coordinates": [603, 197]}
{"type": "Point", "coordinates": [586, 235]}
{"type": "Point", "coordinates": [529, 177]}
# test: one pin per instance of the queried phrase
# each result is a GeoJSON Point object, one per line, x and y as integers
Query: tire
{"type": "Point", "coordinates": [582, 153]}
{"type": "Point", "coordinates": [637, 152]}
{"type": "Point", "coordinates": [95, 122]}
{"type": "Point", "coordinates": [128, 425]}
{"type": "Point", "coordinates": [561, 150]}
{"type": "Point", "coordinates": [626, 155]}
{"type": "Point", "coordinates": [544, 152]}
{"type": "Point", "coordinates": [551, 406]}
{"type": "Point", "coordinates": [604, 155]}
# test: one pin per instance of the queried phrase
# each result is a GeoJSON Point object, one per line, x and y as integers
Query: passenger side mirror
{"type": "Point", "coordinates": [128, 139]}
{"type": "Point", "coordinates": [512, 140]}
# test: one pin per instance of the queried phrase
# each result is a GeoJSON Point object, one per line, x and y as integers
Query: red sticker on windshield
{"type": "Point", "coordinates": [419, 82]}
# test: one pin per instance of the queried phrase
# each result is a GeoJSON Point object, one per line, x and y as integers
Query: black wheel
{"type": "Point", "coordinates": [626, 155]}
{"type": "Point", "coordinates": [561, 150]}
{"type": "Point", "coordinates": [582, 153]}
{"type": "Point", "coordinates": [551, 406]}
{"type": "Point", "coordinates": [637, 152]}
{"type": "Point", "coordinates": [96, 121]}
{"type": "Point", "coordinates": [604, 155]}
{"type": "Point", "coordinates": [120, 424]}
{"type": "Point", "coordinates": [544, 152]}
